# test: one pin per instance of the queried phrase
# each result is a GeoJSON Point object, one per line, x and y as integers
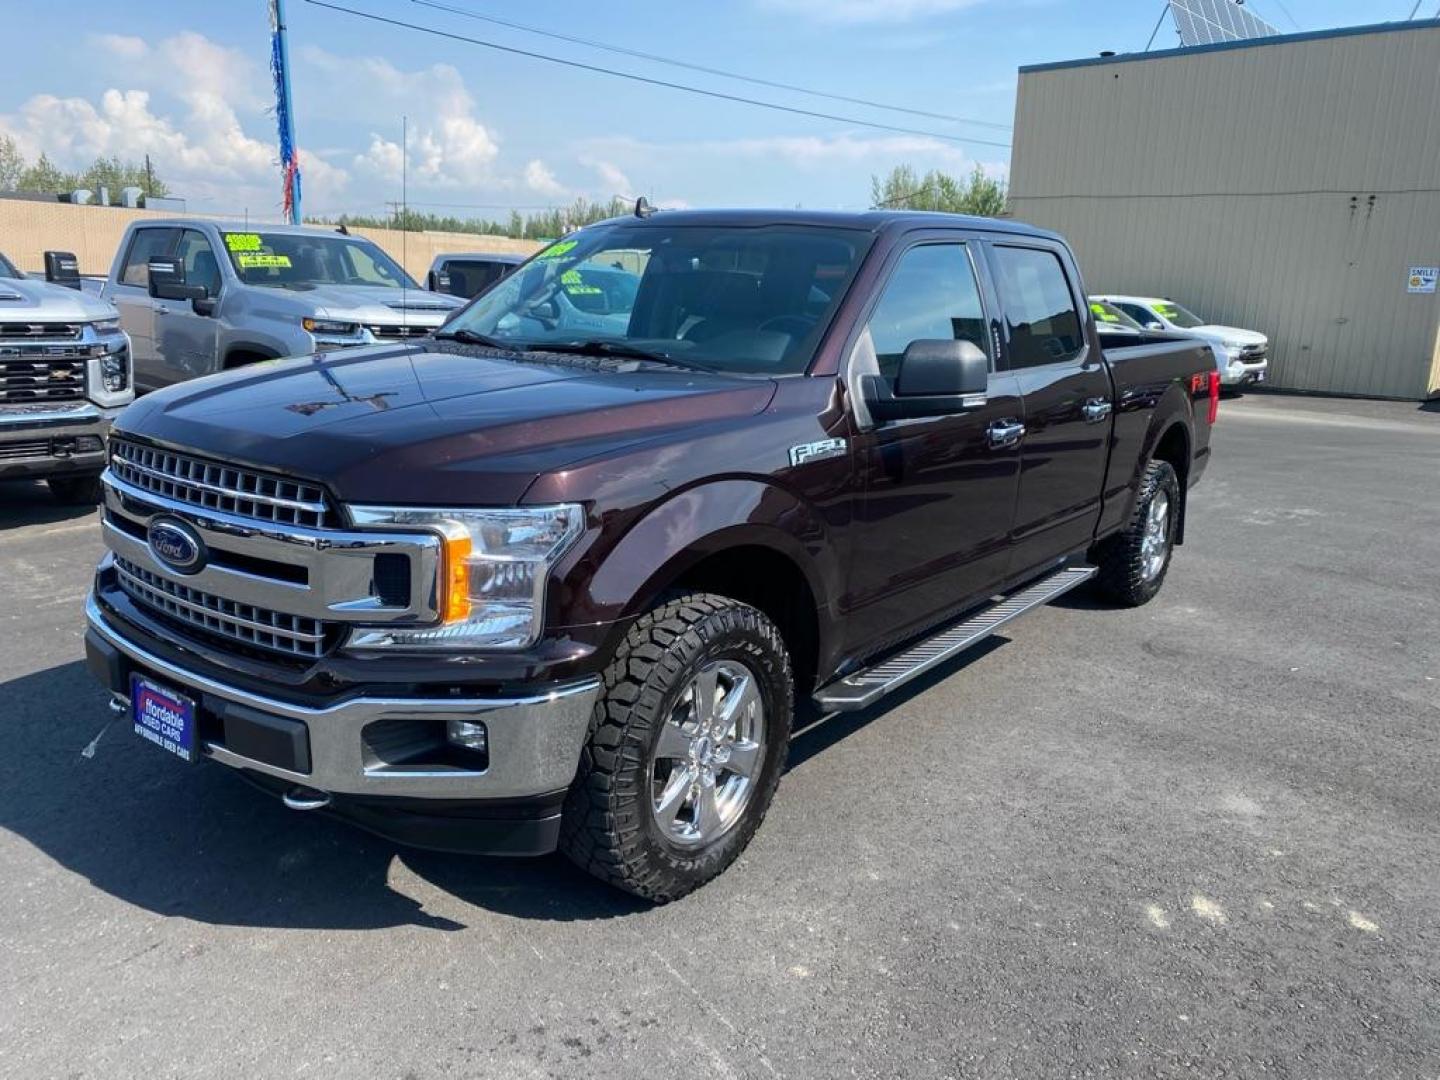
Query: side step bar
{"type": "Point", "coordinates": [866, 687]}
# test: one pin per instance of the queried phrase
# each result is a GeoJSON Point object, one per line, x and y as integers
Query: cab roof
{"type": "Point", "coordinates": [872, 221]}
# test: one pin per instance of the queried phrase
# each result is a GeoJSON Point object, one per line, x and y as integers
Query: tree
{"type": "Point", "coordinates": [44, 175]}
{"type": "Point", "coordinates": [12, 164]}
{"type": "Point", "coordinates": [904, 189]}
{"type": "Point", "coordinates": [541, 225]}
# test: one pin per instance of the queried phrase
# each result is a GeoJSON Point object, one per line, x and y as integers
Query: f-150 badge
{"type": "Point", "coordinates": [816, 451]}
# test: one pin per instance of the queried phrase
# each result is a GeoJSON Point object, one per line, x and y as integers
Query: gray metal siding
{"type": "Point", "coordinates": [1284, 188]}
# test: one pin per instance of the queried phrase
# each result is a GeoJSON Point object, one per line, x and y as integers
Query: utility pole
{"type": "Point", "coordinates": [149, 178]}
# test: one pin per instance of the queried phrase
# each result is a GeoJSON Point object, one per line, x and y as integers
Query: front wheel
{"type": "Point", "coordinates": [1133, 563]}
{"type": "Point", "coordinates": [685, 749]}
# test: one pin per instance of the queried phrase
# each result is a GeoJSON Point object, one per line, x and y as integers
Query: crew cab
{"type": "Point", "coordinates": [64, 375]}
{"type": "Point", "coordinates": [511, 588]}
{"type": "Point", "coordinates": [1243, 355]}
{"type": "Point", "coordinates": [199, 297]}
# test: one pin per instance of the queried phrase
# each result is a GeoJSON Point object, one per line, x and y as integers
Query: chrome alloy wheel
{"type": "Point", "coordinates": [708, 756]}
{"type": "Point", "coordinates": [1155, 543]}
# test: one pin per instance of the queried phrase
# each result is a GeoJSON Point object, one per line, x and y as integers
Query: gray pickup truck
{"type": "Point", "coordinates": [64, 374]}
{"type": "Point", "coordinates": [199, 297]}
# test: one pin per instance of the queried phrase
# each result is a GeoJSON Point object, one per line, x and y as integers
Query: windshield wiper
{"type": "Point", "coordinates": [598, 347]}
{"type": "Point", "coordinates": [473, 337]}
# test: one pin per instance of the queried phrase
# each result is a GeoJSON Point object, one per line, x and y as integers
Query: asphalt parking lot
{"type": "Point", "coordinates": [1196, 839]}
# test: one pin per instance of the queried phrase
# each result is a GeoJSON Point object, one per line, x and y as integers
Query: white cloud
{"type": "Point", "coordinates": [540, 179]}
{"type": "Point", "coordinates": [866, 11]}
{"type": "Point", "coordinates": [448, 145]}
{"type": "Point", "coordinates": [612, 179]}
{"type": "Point", "coordinates": [122, 45]}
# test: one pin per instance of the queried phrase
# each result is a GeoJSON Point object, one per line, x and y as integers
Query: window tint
{"type": "Point", "coordinates": [931, 295]}
{"type": "Point", "coordinates": [1138, 313]}
{"type": "Point", "coordinates": [201, 266]}
{"type": "Point", "coordinates": [1045, 328]}
{"type": "Point", "coordinates": [469, 277]}
{"type": "Point", "coordinates": [146, 244]}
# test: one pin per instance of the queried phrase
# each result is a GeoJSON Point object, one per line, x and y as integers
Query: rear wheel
{"type": "Point", "coordinates": [685, 749]}
{"type": "Point", "coordinates": [75, 490]}
{"type": "Point", "coordinates": [1133, 564]}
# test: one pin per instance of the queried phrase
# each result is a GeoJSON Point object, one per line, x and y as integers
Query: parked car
{"type": "Point", "coordinates": [1245, 352]}
{"type": "Point", "coordinates": [517, 588]}
{"type": "Point", "coordinates": [1111, 320]}
{"type": "Point", "coordinates": [199, 297]}
{"type": "Point", "coordinates": [64, 375]}
{"type": "Point", "coordinates": [468, 274]}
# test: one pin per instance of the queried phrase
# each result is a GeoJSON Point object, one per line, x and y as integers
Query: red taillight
{"type": "Point", "coordinates": [1214, 395]}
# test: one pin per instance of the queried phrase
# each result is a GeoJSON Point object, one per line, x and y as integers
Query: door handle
{"type": "Point", "coordinates": [160, 309]}
{"type": "Point", "coordinates": [1096, 410]}
{"type": "Point", "coordinates": [1003, 433]}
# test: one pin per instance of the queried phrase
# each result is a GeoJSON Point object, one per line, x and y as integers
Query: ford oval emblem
{"type": "Point", "coordinates": [175, 544]}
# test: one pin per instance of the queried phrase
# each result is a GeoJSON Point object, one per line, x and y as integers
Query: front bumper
{"type": "Point", "coordinates": [53, 441]}
{"type": "Point", "coordinates": [1239, 373]}
{"type": "Point", "coordinates": [341, 756]}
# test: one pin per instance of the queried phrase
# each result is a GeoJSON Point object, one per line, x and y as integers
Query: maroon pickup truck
{"type": "Point", "coordinates": [560, 575]}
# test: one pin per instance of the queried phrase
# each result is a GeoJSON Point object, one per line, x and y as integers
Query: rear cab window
{"type": "Point", "coordinates": [146, 244]}
{"type": "Point", "coordinates": [1040, 313]}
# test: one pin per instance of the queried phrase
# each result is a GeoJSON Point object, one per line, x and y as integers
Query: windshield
{"type": "Point", "coordinates": [296, 260]}
{"type": "Point", "coordinates": [1176, 315]}
{"type": "Point", "coordinates": [742, 300]}
{"type": "Point", "coordinates": [1107, 315]}
{"type": "Point", "coordinates": [7, 268]}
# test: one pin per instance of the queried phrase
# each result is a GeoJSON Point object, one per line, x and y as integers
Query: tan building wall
{"type": "Point", "coordinates": [1285, 187]}
{"type": "Point", "coordinates": [27, 229]}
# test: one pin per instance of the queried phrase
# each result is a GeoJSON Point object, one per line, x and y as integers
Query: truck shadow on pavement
{"type": "Point", "coordinates": [201, 844]}
{"type": "Point", "coordinates": [30, 503]}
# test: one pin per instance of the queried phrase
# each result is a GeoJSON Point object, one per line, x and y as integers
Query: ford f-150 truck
{"type": "Point", "coordinates": [512, 588]}
{"type": "Point", "coordinates": [204, 296]}
{"type": "Point", "coordinates": [64, 374]}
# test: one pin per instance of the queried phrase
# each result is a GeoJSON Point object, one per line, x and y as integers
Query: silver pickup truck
{"type": "Point", "coordinates": [64, 374]}
{"type": "Point", "coordinates": [199, 297]}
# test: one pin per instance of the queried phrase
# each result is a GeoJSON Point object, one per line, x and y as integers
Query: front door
{"type": "Point", "coordinates": [131, 297]}
{"type": "Point", "coordinates": [939, 492]}
{"type": "Point", "coordinates": [1067, 396]}
{"type": "Point", "coordinates": [186, 341]}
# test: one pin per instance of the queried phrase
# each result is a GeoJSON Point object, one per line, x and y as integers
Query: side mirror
{"type": "Point", "coordinates": [62, 268]}
{"type": "Point", "coordinates": [167, 281]}
{"type": "Point", "coordinates": [1154, 326]}
{"type": "Point", "coordinates": [936, 378]}
{"type": "Point", "coordinates": [439, 281]}
{"type": "Point", "coordinates": [205, 305]}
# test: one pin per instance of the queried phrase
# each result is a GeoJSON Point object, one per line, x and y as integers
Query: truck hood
{"type": "Point", "coordinates": [434, 425]}
{"type": "Point", "coordinates": [363, 304]}
{"type": "Point", "coordinates": [24, 299]}
{"type": "Point", "coordinates": [1231, 335]}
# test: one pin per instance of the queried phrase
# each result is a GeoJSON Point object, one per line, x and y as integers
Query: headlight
{"type": "Point", "coordinates": [330, 326]}
{"type": "Point", "coordinates": [115, 371]}
{"type": "Point", "coordinates": [106, 326]}
{"type": "Point", "coordinates": [494, 569]}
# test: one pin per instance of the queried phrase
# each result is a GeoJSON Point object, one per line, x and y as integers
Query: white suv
{"type": "Point", "coordinates": [1244, 354]}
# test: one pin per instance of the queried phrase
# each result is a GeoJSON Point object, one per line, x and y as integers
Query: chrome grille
{"type": "Point", "coordinates": [216, 486]}
{"type": "Point", "coordinates": [395, 332]}
{"type": "Point", "coordinates": [275, 631]}
{"type": "Point", "coordinates": [1252, 354]}
{"type": "Point", "coordinates": [38, 378]}
{"type": "Point", "coordinates": [40, 330]}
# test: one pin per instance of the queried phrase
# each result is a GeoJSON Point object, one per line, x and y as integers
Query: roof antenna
{"type": "Point", "coordinates": [643, 209]}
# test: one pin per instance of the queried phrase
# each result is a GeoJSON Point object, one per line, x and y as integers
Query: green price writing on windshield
{"type": "Point", "coordinates": [555, 251]}
{"type": "Point", "coordinates": [242, 241]}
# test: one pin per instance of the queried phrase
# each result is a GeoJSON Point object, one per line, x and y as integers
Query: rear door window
{"type": "Point", "coordinates": [1045, 325]}
{"type": "Point", "coordinates": [145, 245]}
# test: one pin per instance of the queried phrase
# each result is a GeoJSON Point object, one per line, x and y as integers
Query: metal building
{"type": "Point", "coordinates": [1286, 184]}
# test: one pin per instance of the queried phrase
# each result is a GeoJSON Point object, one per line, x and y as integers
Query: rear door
{"type": "Point", "coordinates": [1067, 394]}
{"type": "Point", "coordinates": [131, 298]}
{"type": "Point", "coordinates": [939, 492]}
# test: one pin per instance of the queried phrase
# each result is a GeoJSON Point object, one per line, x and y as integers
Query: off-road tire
{"type": "Point", "coordinates": [608, 828]}
{"type": "Point", "coordinates": [75, 490]}
{"type": "Point", "coordinates": [1122, 565]}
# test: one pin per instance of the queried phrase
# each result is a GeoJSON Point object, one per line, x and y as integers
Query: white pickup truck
{"type": "Point", "coordinates": [64, 374]}
{"type": "Point", "coordinates": [1243, 354]}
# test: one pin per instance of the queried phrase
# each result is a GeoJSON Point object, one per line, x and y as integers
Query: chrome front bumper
{"type": "Point", "coordinates": [534, 740]}
{"type": "Point", "coordinates": [38, 441]}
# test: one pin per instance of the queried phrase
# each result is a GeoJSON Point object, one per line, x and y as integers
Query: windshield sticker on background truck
{"type": "Point", "coordinates": [262, 262]}
{"type": "Point", "coordinates": [1102, 314]}
{"type": "Point", "coordinates": [248, 241]}
{"type": "Point", "coordinates": [556, 251]}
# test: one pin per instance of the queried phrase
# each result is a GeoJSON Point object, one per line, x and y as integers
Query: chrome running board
{"type": "Point", "coordinates": [866, 687]}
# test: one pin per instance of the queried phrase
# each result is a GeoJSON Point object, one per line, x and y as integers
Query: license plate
{"type": "Point", "coordinates": [163, 717]}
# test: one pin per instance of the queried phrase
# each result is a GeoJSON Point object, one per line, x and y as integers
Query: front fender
{"type": "Point", "coordinates": [627, 573]}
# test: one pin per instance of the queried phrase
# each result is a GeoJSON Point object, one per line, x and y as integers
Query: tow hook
{"type": "Point", "coordinates": [304, 798]}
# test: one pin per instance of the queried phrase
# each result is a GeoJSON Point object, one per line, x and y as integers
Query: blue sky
{"type": "Point", "coordinates": [187, 83]}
